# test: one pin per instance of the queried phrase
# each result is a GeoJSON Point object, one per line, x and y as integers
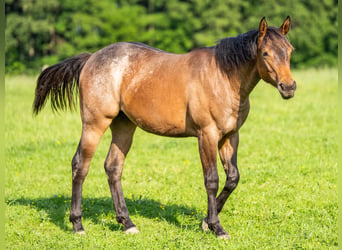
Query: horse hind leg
{"type": "Point", "coordinates": [122, 134]}
{"type": "Point", "coordinates": [91, 135]}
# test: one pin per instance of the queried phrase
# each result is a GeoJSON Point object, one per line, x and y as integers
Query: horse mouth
{"type": "Point", "coordinates": [286, 92]}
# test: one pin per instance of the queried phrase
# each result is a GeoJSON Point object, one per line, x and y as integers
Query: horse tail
{"type": "Point", "coordinates": [59, 82]}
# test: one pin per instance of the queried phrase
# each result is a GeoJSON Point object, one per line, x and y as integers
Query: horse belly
{"type": "Point", "coordinates": [157, 109]}
{"type": "Point", "coordinates": [157, 119]}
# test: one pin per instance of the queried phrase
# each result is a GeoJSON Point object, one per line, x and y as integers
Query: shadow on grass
{"type": "Point", "coordinates": [96, 209]}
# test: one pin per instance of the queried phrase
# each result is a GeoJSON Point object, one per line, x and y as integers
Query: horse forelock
{"type": "Point", "coordinates": [275, 35]}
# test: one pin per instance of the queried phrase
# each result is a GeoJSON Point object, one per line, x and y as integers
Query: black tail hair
{"type": "Point", "coordinates": [59, 82]}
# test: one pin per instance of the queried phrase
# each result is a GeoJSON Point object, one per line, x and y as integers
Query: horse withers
{"type": "Point", "coordinates": [203, 93]}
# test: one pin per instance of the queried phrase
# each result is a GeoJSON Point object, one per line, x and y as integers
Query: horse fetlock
{"type": "Point", "coordinates": [217, 229]}
{"type": "Point", "coordinates": [127, 222]}
{"type": "Point", "coordinates": [77, 225]}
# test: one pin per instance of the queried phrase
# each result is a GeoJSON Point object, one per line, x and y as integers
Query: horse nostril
{"type": "Point", "coordinates": [285, 87]}
{"type": "Point", "coordinates": [282, 86]}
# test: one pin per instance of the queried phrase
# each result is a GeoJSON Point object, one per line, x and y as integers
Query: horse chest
{"type": "Point", "coordinates": [234, 119]}
{"type": "Point", "coordinates": [242, 113]}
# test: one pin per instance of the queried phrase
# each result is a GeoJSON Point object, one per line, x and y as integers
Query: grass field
{"type": "Point", "coordinates": [286, 198]}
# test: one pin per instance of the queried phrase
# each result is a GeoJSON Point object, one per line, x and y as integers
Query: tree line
{"type": "Point", "coordinates": [41, 32]}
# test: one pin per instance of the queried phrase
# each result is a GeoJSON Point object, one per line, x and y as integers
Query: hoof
{"type": "Point", "coordinates": [80, 232]}
{"type": "Point", "coordinates": [132, 230]}
{"type": "Point", "coordinates": [205, 226]}
{"type": "Point", "coordinates": [224, 237]}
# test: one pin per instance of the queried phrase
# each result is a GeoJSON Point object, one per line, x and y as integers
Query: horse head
{"type": "Point", "coordinates": [273, 57]}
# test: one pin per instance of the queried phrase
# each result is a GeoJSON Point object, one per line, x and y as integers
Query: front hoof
{"type": "Point", "coordinates": [216, 228]}
{"type": "Point", "coordinates": [224, 236]}
{"type": "Point", "coordinates": [205, 226]}
{"type": "Point", "coordinates": [132, 230]}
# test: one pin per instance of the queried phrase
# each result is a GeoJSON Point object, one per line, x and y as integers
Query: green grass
{"type": "Point", "coordinates": [286, 197]}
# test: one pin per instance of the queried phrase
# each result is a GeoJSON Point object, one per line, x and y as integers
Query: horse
{"type": "Point", "coordinates": [203, 93]}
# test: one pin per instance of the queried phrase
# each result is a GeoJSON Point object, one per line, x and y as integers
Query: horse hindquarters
{"type": "Point", "coordinates": [60, 82]}
{"type": "Point", "coordinates": [98, 109]}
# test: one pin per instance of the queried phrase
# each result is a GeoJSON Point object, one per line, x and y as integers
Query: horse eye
{"type": "Point", "coordinates": [265, 54]}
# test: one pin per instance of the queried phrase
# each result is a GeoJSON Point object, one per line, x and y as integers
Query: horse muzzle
{"type": "Point", "coordinates": [286, 91]}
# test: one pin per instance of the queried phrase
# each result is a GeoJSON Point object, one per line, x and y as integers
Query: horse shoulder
{"type": "Point", "coordinates": [218, 102]}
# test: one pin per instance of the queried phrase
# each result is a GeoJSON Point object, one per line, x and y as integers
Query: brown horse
{"type": "Point", "coordinates": [203, 93]}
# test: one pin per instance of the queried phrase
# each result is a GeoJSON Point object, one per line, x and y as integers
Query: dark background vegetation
{"type": "Point", "coordinates": [41, 32]}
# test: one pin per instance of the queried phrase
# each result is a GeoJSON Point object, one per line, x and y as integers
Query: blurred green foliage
{"type": "Point", "coordinates": [40, 32]}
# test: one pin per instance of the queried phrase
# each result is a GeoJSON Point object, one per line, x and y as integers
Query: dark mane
{"type": "Point", "coordinates": [232, 52]}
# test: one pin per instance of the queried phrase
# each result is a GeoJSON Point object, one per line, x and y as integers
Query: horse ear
{"type": "Point", "coordinates": [285, 27]}
{"type": "Point", "coordinates": [262, 30]}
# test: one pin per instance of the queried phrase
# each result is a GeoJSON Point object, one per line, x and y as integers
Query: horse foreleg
{"type": "Point", "coordinates": [207, 147]}
{"type": "Point", "coordinates": [122, 134]}
{"type": "Point", "coordinates": [228, 155]}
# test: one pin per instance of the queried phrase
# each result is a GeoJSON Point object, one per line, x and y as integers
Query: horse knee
{"type": "Point", "coordinates": [79, 170]}
{"type": "Point", "coordinates": [113, 167]}
{"type": "Point", "coordinates": [75, 161]}
{"type": "Point", "coordinates": [233, 179]}
{"type": "Point", "coordinates": [113, 170]}
{"type": "Point", "coordinates": [212, 182]}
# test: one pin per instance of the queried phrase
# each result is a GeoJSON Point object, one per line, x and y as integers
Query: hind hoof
{"type": "Point", "coordinates": [132, 230]}
{"type": "Point", "coordinates": [81, 233]}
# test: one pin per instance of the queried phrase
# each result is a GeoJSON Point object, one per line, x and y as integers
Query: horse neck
{"type": "Point", "coordinates": [236, 58]}
{"type": "Point", "coordinates": [246, 78]}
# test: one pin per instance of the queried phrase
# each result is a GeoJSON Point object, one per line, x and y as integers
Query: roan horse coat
{"type": "Point", "coordinates": [203, 93]}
